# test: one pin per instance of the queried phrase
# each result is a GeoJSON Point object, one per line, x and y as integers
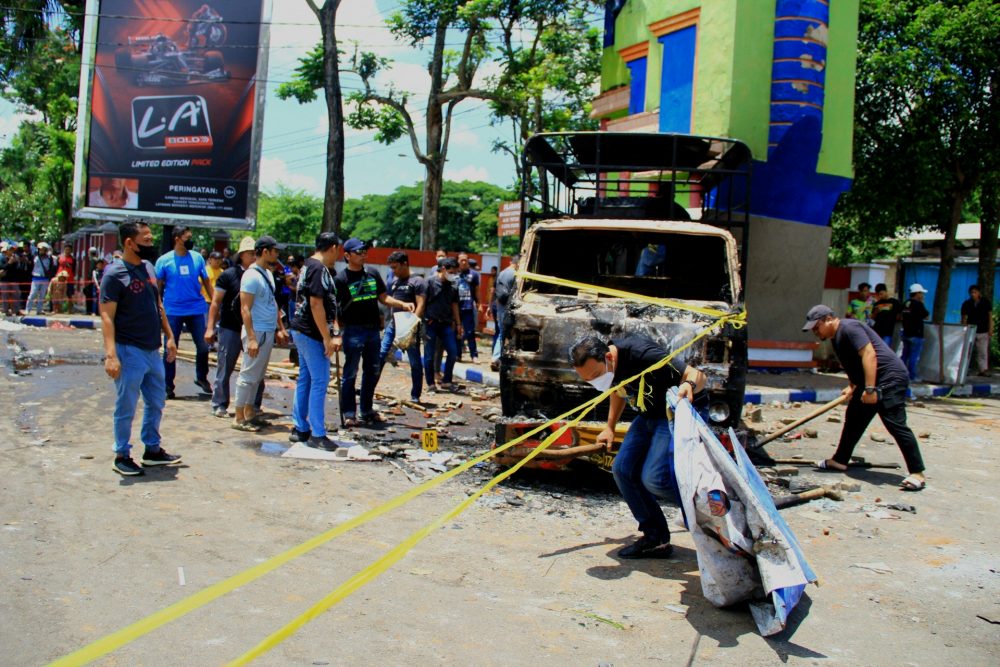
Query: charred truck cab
{"type": "Point", "coordinates": [658, 215]}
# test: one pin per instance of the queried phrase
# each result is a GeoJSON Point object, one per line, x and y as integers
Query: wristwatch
{"type": "Point", "coordinates": [870, 390]}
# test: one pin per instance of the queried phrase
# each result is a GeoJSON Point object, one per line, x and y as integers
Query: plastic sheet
{"type": "Point", "coordinates": [746, 551]}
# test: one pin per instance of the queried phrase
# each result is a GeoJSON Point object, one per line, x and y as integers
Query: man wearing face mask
{"type": "Point", "coordinates": [643, 467]}
{"type": "Point", "coordinates": [132, 319]}
{"type": "Point", "coordinates": [181, 276]}
{"type": "Point", "coordinates": [441, 322]}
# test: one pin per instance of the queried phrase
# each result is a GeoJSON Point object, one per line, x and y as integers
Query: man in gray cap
{"type": "Point", "coordinates": [877, 385]}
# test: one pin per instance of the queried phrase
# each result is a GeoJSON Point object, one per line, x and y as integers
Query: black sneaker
{"type": "Point", "coordinates": [322, 442]}
{"type": "Point", "coordinates": [124, 465]}
{"type": "Point", "coordinates": [299, 436]}
{"type": "Point", "coordinates": [170, 395]}
{"type": "Point", "coordinates": [159, 458]}
{"type": "Point", "coordinates": [204, 386]}
{"type": "Point", "coordinates": [647, 547]}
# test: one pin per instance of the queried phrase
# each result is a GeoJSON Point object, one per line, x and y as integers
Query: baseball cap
{"type": "Point", "coordinates": [44, 245]}
{"type": "Point", "coordinates": [354, 245]}
{"type": "Point", "coordinates": [916, 288]}
{"type": "Point", "coordinates": [815, 314]}
{"type": "Point", "coordinates": [246, 245]}
{"type": "Point", "coordinates": [265, 243]}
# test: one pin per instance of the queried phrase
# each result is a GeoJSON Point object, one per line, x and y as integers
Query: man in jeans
{"type": "Point", "coordinates": [643, 467]}
{"type": "Point", "coordinates": [913, 315]}
{"type": "Point", "coordinates": [225, 311]}
{"type": "Point", "coordinates": [441, 322]}
{"type": "Point", "coordinates": [503, 288]}
{"type": "Point", "coordinates": [181, 275]}
{"type": "Point", "coordinates": [261, 318]}
{"type": "Point", "coordinates": [359, 291]}
{"type": "Point", "coordinates": [42, 271]}
{"type": "Point", "coordinates": [408, 288]}
{"type": "Point", "coordinates": [468, 303]}
{"type": "Point", "coordinates": [315, 312]}
{"type": "Point", "coordinates": [132, 318]}
{"type": "Point", "coordinates": [877, 383]}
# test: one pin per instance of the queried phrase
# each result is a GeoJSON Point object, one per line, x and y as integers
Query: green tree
{"type": "Point", "coordinates": [546, 82]}
{"type": "Point", "coordinates": [290, 216]}
{"type": "Point", "coordinates": [320, 70]}
{"type": "Point", "coordinates": [925, 118]}
{"type": "Point", "coordinates": [39, 160]}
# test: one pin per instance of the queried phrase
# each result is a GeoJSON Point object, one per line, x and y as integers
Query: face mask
{"type": "Point", "coordinates": [452, 277]}
{"type": "Point", "coordinates": [189, 244]}
{"type": "Point", "coordinates": [147, 252]}
{"type": "Point", "coordinates": [603, 382]}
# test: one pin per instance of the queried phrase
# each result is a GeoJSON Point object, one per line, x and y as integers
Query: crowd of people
{"type": "Point", "coordinates": [245, 303]}
{"type": "Point", "coordinates": [34, 279]}
{"type": "Point", "coordinates": [882, 312]}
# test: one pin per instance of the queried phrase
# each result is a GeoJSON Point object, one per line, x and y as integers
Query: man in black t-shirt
{"type": "Point", "coordinates": [978, 312]}
{"type": "Point", "coordinates": [885, 313]}
{"type": "Point", "coordinates": [408, 288]}
{"type": "Point", "coordinates": [442, 323]}
{"type": "Point", "coordinates": [359, 291]}
{"type": "Point", "coordinates": [225, 312]}
{"type": "Point", "coordinates": [877, 383]}
{"type": "Point", "coordinates": [132, 318]}
{"type": "Point", "coordinates": [913, 315]}
{"type": "Point", "coordinates": [644, 465]}
{"type": "Point", "coordinates": [316, 341]}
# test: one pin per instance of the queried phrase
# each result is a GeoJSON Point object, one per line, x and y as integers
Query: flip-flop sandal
{"type": "Point", "coordinates": [260, 421]}
{"type": "Point", "coordinates": [247, 427]}
{"type": "Point", "coordinates": [823, 465]}
{"type": "Point", "coordinates": [912, 484]}
{"type": "Point", "coordinates": [373, 418]}
{"type": "Point", "coordinates": [351, 422]}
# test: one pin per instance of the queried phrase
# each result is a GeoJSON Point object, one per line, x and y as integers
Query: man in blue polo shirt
{"type": "Point", "coordinates": [181, 275]}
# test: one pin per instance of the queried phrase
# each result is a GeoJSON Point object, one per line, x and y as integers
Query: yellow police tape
{"type": "Point", "coordinates": [396, 553]}
{"type": "Point", "coordinates": [132, 632]}
{"type": "Point", "coordinates": [631, 296]}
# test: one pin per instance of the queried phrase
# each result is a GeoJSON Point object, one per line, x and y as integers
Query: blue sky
{"type": "Point", "coordinates": [295, 134]}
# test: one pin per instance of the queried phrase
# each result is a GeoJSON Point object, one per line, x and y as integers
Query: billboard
{"type": "Point", "coordinates": [171, 110]}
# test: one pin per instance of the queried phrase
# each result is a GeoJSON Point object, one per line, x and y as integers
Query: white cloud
{"type": "Point", "coordinates": [10, 121]}
{"type": "Point", "coordinates": [274, 171]}
{"type": "Point", "coordinates": [463, 137]}
{"type": "Point", "coordinates": [468, 173]}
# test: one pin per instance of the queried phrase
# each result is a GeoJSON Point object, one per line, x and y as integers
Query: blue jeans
{"type": "Point", "coordinates": [468, 332]}
{"type": "Point", "coordinates": [196, 327]}
{"type": "Point", "coordinates": [412, 355]}
{"type": "Point", "coordinates": [142, 373]}
{"type": "Point", "coordinates": [888, 341]}
{"type": "Point", "coordinates": [644, 471]}
{"type": "Point", "coordinates": [433, 332]}
{"type": "Point", "coordinates": [911, 354]}
{"type": "Point", "coordinates": [498, 336]}
{"type": "Point", "coordinates": [309, 403]}
{"type": "Point", "coordinates": [361, 346]}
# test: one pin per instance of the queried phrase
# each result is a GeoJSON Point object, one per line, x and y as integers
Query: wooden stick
{"type": "Point", "coordinates": [809, 417]}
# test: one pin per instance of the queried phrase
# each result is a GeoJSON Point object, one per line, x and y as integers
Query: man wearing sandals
{"type": "Point", "coordinates": [261, 319]}
{"type": "Point", "coordinates": [878, 382]}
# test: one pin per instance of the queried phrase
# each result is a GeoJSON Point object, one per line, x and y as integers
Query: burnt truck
{"type": "Point", "coordinates": [658, 215]}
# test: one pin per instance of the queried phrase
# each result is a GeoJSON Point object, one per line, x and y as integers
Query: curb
{"type": "Point", "coordinates": [465, 372]}
{"type": "Point", "coordinates": [49, 321]}
{"type": "Point", "coordinates": [826, 395]}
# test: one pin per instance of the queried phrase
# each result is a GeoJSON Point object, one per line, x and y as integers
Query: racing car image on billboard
{"type": "Point", "coordinates": [158, 61]}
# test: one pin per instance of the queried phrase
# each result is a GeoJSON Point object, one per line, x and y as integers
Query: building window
{"type": "Point", "coordinates": [678, 37]}
{"type": "Point", "coordinates": [637, 86]}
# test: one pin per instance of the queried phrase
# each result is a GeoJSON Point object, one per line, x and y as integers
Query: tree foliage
{"type": "Point", "coordinates": [468, 217]}
{"type": "Point", "coordinates": [925, 120]}
{"type": "Point", "coordinates": [37, 167]}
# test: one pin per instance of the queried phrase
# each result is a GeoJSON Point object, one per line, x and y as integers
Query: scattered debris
{"type": "Point", "coordinates": [901, 507]}
{"type": "Point", "coordinates": [676, 608]}
{"type": "Point", "coordinates": [834, 419]}
{"type": "Point", "coordinates": [754, 415]}
{"type": "Point", "coordinates": [877, 437]}
{"type": "Point", "coordinates": [881, 514]}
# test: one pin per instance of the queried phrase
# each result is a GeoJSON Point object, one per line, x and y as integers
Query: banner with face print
{"type": "Point", "coordinates": [171, 104]}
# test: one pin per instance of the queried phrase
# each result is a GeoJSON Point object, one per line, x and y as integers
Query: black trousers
{"type": "Point", "coordinates": [891, 408]}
